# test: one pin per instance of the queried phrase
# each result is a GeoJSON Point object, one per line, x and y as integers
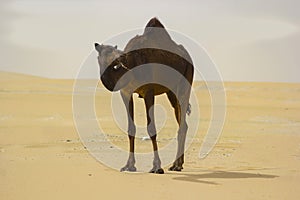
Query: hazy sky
{"type": "Point", "coordinates": [249, 40]}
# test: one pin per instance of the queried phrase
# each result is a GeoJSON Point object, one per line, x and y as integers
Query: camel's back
{"type": "Point", "coordinates": [155, 48]}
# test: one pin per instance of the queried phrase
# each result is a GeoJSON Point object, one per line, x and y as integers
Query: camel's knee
{"type": "Point", "coordinates": [151, 132]}
{"type": "Point", "coordinates": [131, 130]}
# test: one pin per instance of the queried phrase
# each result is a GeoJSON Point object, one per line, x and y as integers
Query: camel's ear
{"type": "Point", "coordinates": [98, 47]}
{"type": "Point", "coordinates": [116, 47]}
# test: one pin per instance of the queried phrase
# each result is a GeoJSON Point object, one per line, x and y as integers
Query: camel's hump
{"type": "Point", "coordinates": [155, 36]}
{"type": "Point", "coordinates": [154, 22]}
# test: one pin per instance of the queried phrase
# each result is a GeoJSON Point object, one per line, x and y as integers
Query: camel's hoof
{"type": "Point", "coordinates": [128, 169]}
{"type": "Point", "coordinates": [175, 168]}
{"type": "Point", "coordinates": [157, 171]}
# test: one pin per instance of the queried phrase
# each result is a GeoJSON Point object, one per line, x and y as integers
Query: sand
{"type": "Point", "coordinates": [42, 157]}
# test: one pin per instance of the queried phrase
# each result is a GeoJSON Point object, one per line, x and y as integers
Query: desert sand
{"type": "Point", "coordinates": [42, 157]}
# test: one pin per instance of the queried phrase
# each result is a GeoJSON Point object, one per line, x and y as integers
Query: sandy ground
{"type": "Point", "coordinates": [42, 157]}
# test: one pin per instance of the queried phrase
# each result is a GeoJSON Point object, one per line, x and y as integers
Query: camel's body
{"type": "Point", "coordinates": [141, 68]}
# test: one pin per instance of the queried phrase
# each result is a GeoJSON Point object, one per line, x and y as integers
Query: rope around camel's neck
{"type": "Point", "coordinates": [122, 65]}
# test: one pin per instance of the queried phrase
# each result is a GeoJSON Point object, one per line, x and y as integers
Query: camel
{"type": "Point", "coordinates": [149, 65]}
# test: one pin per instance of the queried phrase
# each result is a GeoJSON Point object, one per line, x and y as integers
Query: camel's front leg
{"type": "Point", "coordinates": [128, 101]}
{"type": "Point", "coordinates": [149, 102]}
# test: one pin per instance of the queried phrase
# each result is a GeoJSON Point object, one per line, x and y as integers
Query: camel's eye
{"type": "Point", "coordinates": [117, 66]}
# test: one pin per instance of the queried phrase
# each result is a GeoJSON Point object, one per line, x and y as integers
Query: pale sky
{"type": "Point", "coordinates": [249, 40]}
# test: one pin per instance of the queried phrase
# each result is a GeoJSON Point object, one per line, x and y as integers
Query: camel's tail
{"type": "Point", "coordinates": [189, 109]}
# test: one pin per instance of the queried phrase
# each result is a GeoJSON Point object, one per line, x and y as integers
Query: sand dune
{"type": "Point", "coordinates": [42, 157]}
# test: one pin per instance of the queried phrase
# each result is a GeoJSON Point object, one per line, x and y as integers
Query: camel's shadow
{"type": "Point", "coordinates": [198, 178]}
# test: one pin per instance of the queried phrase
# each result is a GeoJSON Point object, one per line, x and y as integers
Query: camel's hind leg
{"type": "Point", "coordinates": [180, 112]}
{"type": "Point", "coordinates": [149, 102]}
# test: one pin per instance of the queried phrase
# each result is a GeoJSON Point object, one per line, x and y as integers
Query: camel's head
{"type": "Point", "coordinates": [111, 67]}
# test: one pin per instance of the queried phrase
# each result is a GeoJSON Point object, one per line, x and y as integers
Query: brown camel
{"type": "Point", "coordinates": [151, 64]}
